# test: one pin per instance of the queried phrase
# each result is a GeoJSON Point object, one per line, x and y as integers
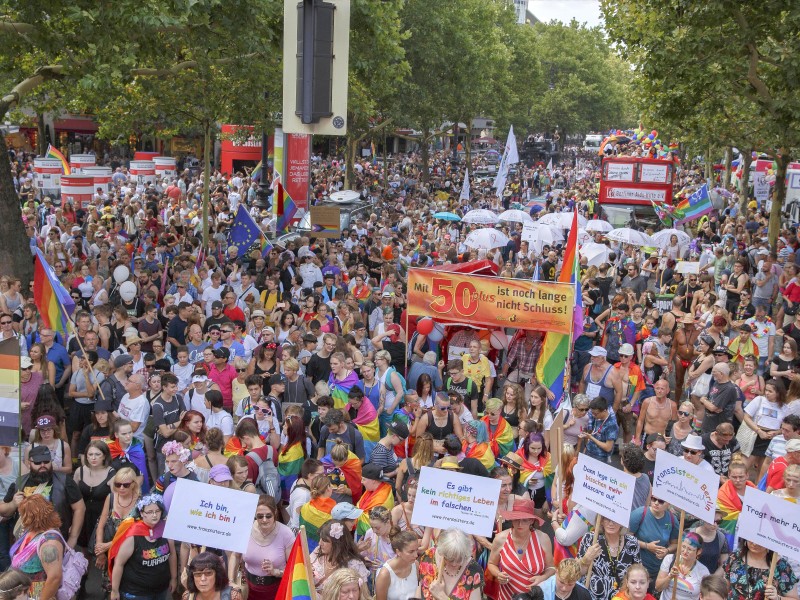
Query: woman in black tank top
{"type": "Point", "coordinates": [439, 433]}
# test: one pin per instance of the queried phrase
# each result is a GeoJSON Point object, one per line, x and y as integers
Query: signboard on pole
{"type": "Point", "coordinates": [603, 489]}
{"type": "Point", "coordinates": [325, 221]}
{"type": "Point", "coordinates": [685, 485]}
{"type": "Point", "coordinates": [205, 515]}
{"type": "Point", "coordinates": [451, 499]}
{"type": "Point", "coordinates": [770, 521]}
{"type": "Point", "coordinates": [47, 173]}
{"type": "Point", "coordinates": [491, 301]}
{"type": "Point", "coordinates": [298, 168]}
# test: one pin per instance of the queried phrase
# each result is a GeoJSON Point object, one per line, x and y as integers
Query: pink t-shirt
{"type": "Point", "coordinates": [275, 551]}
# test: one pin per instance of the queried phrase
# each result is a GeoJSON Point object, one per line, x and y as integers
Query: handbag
{"type": "Point", "coordinates": [700, 387]}
{"type": "Point", "coordinates": [746, 438]}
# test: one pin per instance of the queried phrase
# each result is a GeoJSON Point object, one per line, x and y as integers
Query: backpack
{"type": "Point", "coordinates": [73, 567]}
{"type": "Point", "coordinates": [268, 480]}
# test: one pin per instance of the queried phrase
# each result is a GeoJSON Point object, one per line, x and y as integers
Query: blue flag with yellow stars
{"type": "Point", "coordinates": [244, 231]}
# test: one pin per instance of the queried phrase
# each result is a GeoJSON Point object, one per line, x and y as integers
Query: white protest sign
{"type": "Point", "coordinates": [211, 516]}
{"type": "Point", "coordinates": [770, 521]}
{"type": "Point", "coordinates": [448, 499]}
{"type": "Point", "coordinates": [603, 489]}
{"type": "Point", "coordinates": [685, 485]}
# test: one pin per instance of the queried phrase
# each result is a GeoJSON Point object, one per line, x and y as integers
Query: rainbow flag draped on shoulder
{"type": "Point", "coordinates": [382, 496]}
{"type": "Point", "coordinates": [730, 504]}
{"type": "Point", "coordinates": [51, 298]}
{"type": "Point", "coordinates": [501, 436]}
{"type": "Point", "coordinates": [290, 461]}
{"type": "Point", "coordinates": [313, 515]}
{"type": "Point", "coordinates": [348, 473]}
{"type": "Point", "coordinates": [297, 582]}
{"type": "Point", "coordinates": [551, 367]}
{"type": "Point", "coordinates": [340, 389]}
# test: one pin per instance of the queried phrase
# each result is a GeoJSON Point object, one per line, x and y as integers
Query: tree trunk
{"type": "Point", "coordinates": [349, 161]}
{"type": "Point", "coordinates": [206, 180]}
{"type": "Point", "coordinates": [744, 182]}
{"type": "Point", "coordinates": [728, 160]}
{"type": "Point", "coordinates": [779, 197]}
{"type": "Point", "coordinates": [424, 155]}
{"type": "Point", "coordinates": [709, 169]}
{"type": "Point", "coordinates": [385, 163]}
{"type": "Point", "coordinates": [15, 256]}
{"type": "Point", "coordinates": [41, 138]}
{"type": "Point", "coordinates": [468, 147]}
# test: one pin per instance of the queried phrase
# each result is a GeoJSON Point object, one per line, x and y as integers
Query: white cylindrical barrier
{"type": "Point", "coordinates": [47, 174]}
{"type": "Point", "coordinates": [165, 167]}
{"type": "Point", "coordinates": [78, 162]}
{"type": "Point", "coordinates": [78, 189]}
{"type": "Point", "coordinates": [101, 176]}
{"type": "Point", "coordinates": [143, 172]}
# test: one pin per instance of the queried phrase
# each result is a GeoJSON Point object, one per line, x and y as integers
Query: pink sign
{"type": "Point", "coordinates": [298, 168]}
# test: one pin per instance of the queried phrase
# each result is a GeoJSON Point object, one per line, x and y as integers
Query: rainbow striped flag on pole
{"type": "Point", "coordinates": [551, 368]}
{"type": "Point", "coordinates": [286, 208]}
{"type": "Point", "coordinates": [297, 582]}
{"type": "Point", "coordinates": [53, 301]}
{"type": "Point", "coordinates": [55, 153]}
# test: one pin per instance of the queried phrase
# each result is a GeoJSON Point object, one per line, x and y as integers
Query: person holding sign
{"type": "Point", "coordinates": [656, 528]}
{"type": "Point", "coordinates": [748, 572]}
{"type": "Point", "coordinates": [688, 573]}
{"type": "Point", "coordinates": [608, 555]}
{"type": "Point", "coordinates": [522, 556]}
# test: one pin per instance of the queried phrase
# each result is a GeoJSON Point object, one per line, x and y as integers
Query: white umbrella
{"type": "Point", "coordinates": [599, 225]}
{"type": "Point", "coordinates": [480, 216]}
{"type": "Point", "coordinates": [486, 239]}
{"type": "Point", "coordinates": [662, 237]}
{"type": "Point", "coordinates": [630, 236]}
{"type": "Point", "coordinates": [345, 196]}
{"type": "Point", "coordinates": [595, 253]}
{"type": "Point", "coordinates": [584, 236]}
{"type": "Point", "coordinates": [562, 220]}
{"type": "Point", "coordinates": [515, 216]}
{"type": "Point", "coordinates": [537, 235]}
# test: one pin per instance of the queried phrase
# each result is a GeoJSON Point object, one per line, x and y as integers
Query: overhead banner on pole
{"type": "Point", "coordinates": [491, 301]}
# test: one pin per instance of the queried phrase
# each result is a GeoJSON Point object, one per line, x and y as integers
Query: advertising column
{"type": "Point", "coordinates": [298, 164]}
{"type": "Point", "coordinates": [47, 174]}
{"type": "Point", "coordinates": [77, 162]}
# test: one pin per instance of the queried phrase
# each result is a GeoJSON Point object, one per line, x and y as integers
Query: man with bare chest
{"type": "Point", "coordinates": [656, 413]}
{"type": "Point", "coordinates": [682, 352]}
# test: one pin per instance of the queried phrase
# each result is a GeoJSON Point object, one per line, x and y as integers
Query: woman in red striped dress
{"type": "Point", "coordinates": [522, 556]}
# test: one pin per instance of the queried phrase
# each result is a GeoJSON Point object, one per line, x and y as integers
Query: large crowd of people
{"type": "Point", "coordinates": [299, 375]}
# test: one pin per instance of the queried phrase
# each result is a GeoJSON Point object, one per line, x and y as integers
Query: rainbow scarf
{"type": "Point", "coordinates": [480, 451]}
{"type": "Point", "coordinates": [290, 461]}
{"type": "Point", "coordinates": [128, 528]}
{"type": "Point", "coordinates": [501, 436]}
{"type": "Point", "coordinates": [366, 420]}
{"type": "Point", "coordinates": [134, 454]}
{"type": "Point", "coordinates": [730, 504]}
{"type": "Point", "coordinates": [544, 465]}
{"type": "Point", "coordinates": [313, 515]}
{"type": "Point", "coordinates": [740, 350]}
{"type": "Point", "coordinates": [296, 582]}
{"type": "Point", "coordinates": [350, 471]}
{"type": "Point", "coordinates": [362, 294]}
{"type": "Point", "coordinates": [382, 496]}
{"type": "Point", "coordinates": [340, 389]}
{"type": "Point", "coordinates": [561, 552]}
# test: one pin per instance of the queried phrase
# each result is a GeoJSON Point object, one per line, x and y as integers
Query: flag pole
{"type": "Point", "coordinates": [80, 343]}
{"type": "Point", "coordinates": [307, 560]}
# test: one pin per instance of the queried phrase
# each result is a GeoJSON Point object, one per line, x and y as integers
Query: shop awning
{"type": "Point", "coordinates": [76, 125]}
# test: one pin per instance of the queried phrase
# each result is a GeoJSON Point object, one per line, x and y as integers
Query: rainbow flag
{"type": "Point", "coordinates": [297, 581]}
{"type": "Point", "coordinates": [550, 369]}
{"type": "Point", "coordinates": [729, 503]}
{"type": "Point", "coordinates": [340, 389]}
{"type": "Point", "coordinates": [695, 206]}
{"type": "Point", "coordinates": [374, 153]}
{"type": "Point", "coordinates": [313, 515]}
{"type": "Point", "coordinates": [289, 463]}
{"type": "Point", "coordinates": [483, 452]}
{"type": "Point", "coordinates": [285, 207]}
{"type": "Point", "coordinates": [501, 438]}
{"type": "Point", "coordinates": [53, 301]}
{"type": "Point", "coordinates": [55, 153]}
{"type": "Point", "coordinates": [382, 496]}
{"type": "Point", "coordinates": [266, 247]}
{"type": "Point", "coordinates": [349, 473]}
{"type": "Point", "coordinates": [255, 174]}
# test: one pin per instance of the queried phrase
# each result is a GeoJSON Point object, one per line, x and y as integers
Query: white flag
{"type": "Point", "coordinates": [510, 157]}
{"type": "Point", "coordinates": [465, 187]}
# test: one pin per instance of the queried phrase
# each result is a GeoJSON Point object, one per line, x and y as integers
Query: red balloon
{"type": "Point", "coordinates": [425, 326]}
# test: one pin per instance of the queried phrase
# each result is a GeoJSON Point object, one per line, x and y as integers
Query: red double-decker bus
{"type": "Point", "coordinates": [629, 185]}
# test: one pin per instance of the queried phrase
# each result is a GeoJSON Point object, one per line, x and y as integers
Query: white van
{"type": "Point", "coordinates": [592, 143]}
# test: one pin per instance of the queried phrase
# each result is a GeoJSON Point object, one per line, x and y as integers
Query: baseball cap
{"type": "Point", "coordinates": [791, 445]}
{"type": "Point", "coordinates": [25, 362]}
{"type": "Point", "coordinates": [372, 471]}
{"type": "Point", "coordinates": [216, 304]}
{"type": "Point", "coordinates": [40, 454]}
{"type": "Point", "coordinates": [122, 360]}
{"type": "Point", "coordinates": [220, 473]}
{"type": "Point", "coordinates": [222, 352]}
{"type": "Point", "coordinates": [278, 378]}
{"type": "Point", "coordinates": [399, 429]}
{"type": "Point", "coordinates": [598, 351]}
{"type": "Point", "coordinates": [45, 422]}
{"type": "Point", "coordinates": [343, 510]}
{"type": "Point", "coordinates": [199, 378]}
{"type": "Point", "coordinates": [625, 349]}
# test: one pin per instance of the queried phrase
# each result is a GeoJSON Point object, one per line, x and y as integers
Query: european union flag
{"type": "Point", "coordinates": [244, 231]}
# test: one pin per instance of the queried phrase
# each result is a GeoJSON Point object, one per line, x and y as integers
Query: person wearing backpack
{"type": "Point", "coordinates": [262, 459]}
{"type": "Point", "coordinates": [42, 553]}
{"type": "Point", "coordinates": [656, 528]}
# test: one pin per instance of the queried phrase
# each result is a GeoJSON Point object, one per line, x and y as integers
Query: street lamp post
{"type": "Point", "coordinates": [264, 191]}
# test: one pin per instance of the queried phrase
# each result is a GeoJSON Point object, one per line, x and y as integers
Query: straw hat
{"type": "Point", "coordinates": [522, 509]}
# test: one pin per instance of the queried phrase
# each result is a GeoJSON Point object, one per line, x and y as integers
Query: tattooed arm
{"type": "Point", "coordinates": [51, 553]}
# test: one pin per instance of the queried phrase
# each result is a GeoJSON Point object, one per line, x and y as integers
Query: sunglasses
{"type": "Point", "coordinates": [264, 411]}
{"type": "Point", "coordinates": [241, 370]}
{"type": "Point", "coordinates": [684, 413]}
{"type": "Point", "coordinates": [208, 574]}
{"type": "Point", "coordinates": [41, 462]}
{"type": "Point", "coordinates": [264, 517]}
{"type": "Point", "coordinates": [8, 322]}
{"type": "Point", "coordinates": [658, 501]}
{"type": "Point", "coordinates": [692, 452]}
{"type": "Point", "coordinates": [124, 486]}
